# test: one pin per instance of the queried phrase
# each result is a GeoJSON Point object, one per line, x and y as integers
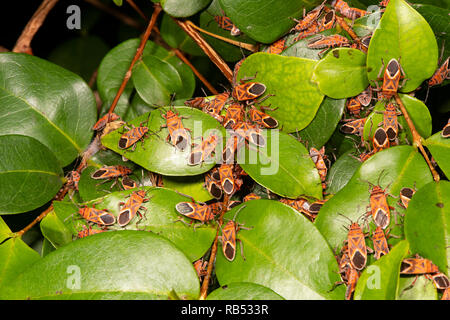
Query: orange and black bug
{"type": "Point", "coordinates": [73, 179]}
{"type": "Point", "coordinates": [262, 119]}
{"type": "Point", "coordinates": [101, 123]}
{"type": "Point", "coordinates": [365, 97]}
{"type": "Point", "coordinates": [384, 3]}
{"type": "Point", "coordinates": [347, 11]}
{"type": "Point", "coordinates": [216, 207]}
{"type": "Point", "coordinates": [277, 47]}
{"type": "Point", "coordinates": [379, 241]}
{"type": "Point", "coordinates": [196, 211]}
{"type": "Point", "coordinates": [390, 122]}
{"type": "Point", "coordinates": [250, 132]}
{"type": "Point", "coordinates": [228, 238]}
{"type": "Point", "coordinates": [312, 29]}
{"type": "Point", "coordinates": [178, 134]}
{"type": "Point", "coordinates": [111, 172]}
{"type": "Point", "coordinates": [418, 265]}
{"type": "Point", "coordinates": [327, 42]}
{"type": "Point", "coordinates": [227, 178]}
{"type": "Point", "coordinates": [200, 267]}
{"type": "Point", "coordinates": [442, 73]}
{"type": "Point", "coordinates": [251, 196]}
{"type": "Point", "coordinates": [308, 19]}
{"type": "Point", "coordinates": [354, 126]}
{"type": "Point", "coordinates": [130, 208]}
{"type": "Point", "coordinates": [439, 279]}
{"type": "Point", "coordinates": [236, 68]}
{"type": "Point", "coordinates": [315, 207]}
{"type": "Point", "coordinates": [216, 104]}
{"type": "Point", "coordinates": [391, 78]}
{"type": "Point", "coordinates": [301, 205]}
{"type": "Point", "coordinates": [380, 140]}
{"type": "Point", "coordinates": [202, 150]}
{"type": "Point", "coordinates": [88, 232]}
{"type": "Point", "coordinates": [100, 217]}
{"type": "Point", "coordinates": [352, 276]}
{"type": "Point", "coordinates": [446, 294]}
{"type": "Point", "coordinates": [405, 196]}
{"type": "Point", "coordinates": [226, 24]}
{"type": "Point", "coordinates": [213, 185]}
{"type": "Point", "coordinates": [327, 22]}
{"type": "Point", "coordinates": [354, 106]}
{"type": "Point", "coordinates": [128, 183]}
{"type": "Point", "coordinates": [133, 135]}
{"type": "Point", "coordinates": [356, 246]}
{"type": "Point", "coordinates": [318, 157]}
{"type": "Point", "coordinates": [234, 142]}
{"type": "Point", "coordinates": [248, 91]}
{"type": "Point", "coordinates": [234, 115]}
{"type": "Point", "coordinates": [199, 103]}
{"type": "Point", "coordinates": [446, 130]}
{"type": "Point", "coordinates": [379, 207]}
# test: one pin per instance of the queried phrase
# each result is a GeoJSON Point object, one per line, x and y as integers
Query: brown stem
{"type": "Point", "coordinates": [180, 55]}
{"type": "Point", "coordinates": [207, 49]}
{"type": "Point", "coordinates": [115, 13]}
{"type": "Point", "coordinates": [23, 44]}
{"type": "Point", "coordinates": [417, 139]}
{"type": "Point", "coordinates": [38, 218]}
{"type": "Point", "coordinates": [247, 46]}
{"type": "Point", "coordinates": [156, 11]}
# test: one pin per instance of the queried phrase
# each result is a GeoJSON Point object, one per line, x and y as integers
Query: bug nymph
{"type": "Point", "coordinates": [406, 195]}
{"type": "Point", "coordinates": [248, 91]}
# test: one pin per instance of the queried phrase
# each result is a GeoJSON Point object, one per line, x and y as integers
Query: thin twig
{"type": "Point", "coordinates": [156, 11]}
{"type": "Point", "coordinates": [207, 49]}
{"type": "Point", "coordinates": [23, 44]}
{"type": "Point", "coordinates": [247, 46]}
{"type": "Point", "coordinates": [417, 139]}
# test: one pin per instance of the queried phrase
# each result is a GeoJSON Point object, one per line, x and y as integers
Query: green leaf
{"type": "Point", "coordinates": [30, 175]}
{"type": "Point", "coordinates": [91, 188]}
{"type": "Point", "coordinates": [403, 34]}
{"type": "Point", "coordinates": [243, 291]}
{"type": "Point", "coordinates": [440, 150]}
{"type": "Point", "coordinates": [289, 80]}
{"type": "Point", "coordinates": [157, 155]}
{"type": "Point", "coordinates": [417, 111]}
{"type": "Point", "coordinates": [393, 168]}
{"type": "Point", "coordinates": [423, 289]}
{"type": "Point", "coordinates": [317, 133]}
{"type": "Point", "coordinates": [15, 256]}
{"type": "Point", "coordinates": [342, 73]}
{"type": "Point", "coordinates": [284, 252]}
{"type": "Point", "coordinates": [283, 166]}
{"type": "Point", "coordinates": [427, 223]}
{"type": "Point", "coordinates": [380, 280]}
{"type": "Point", "coordinates": [150, 268]}
{"type": "Point", "coordinates": [183, 8]}
{"type": "Point", "coordinates": [341, 172]}
{"type": "Point", "coordinates": [54, 230]}
{"type": "Point", "coordinates": [44, 101]}
{"type": "Point", "coordinates": [192, 186]}
{"type": "Point", "coordinates": [265, 20]}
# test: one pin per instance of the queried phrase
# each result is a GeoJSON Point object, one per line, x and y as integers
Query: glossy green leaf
{"type": "Point", "coordinates": [44, 101]}
{"type": "Point", "coordinates": [341, 172]}
{"type": "Point", "coordinates": [283, 166]}
{"type": "Point", "coordinates": [47, 247]}
{"type": "Point", "coordinates": [284, 252]}
{"type": "Point", "coordinates": [150, 268]}
{"type": "Point", "coordinates": [193, 186]}
{"type": "Point", "coordinates": [300, 48]}
{"type": "Point", "coordinates": [422, 289]}
{"type": "Point", "coordinates": [417, 111]}
{"type": "Point", "coordinates": [288, 79]}
{"type": "Point", "coordinates": [183, 8]}
{"type": "Point", "coordinates": [427, 223]}
{"type": "Point", "coordinates": [440, 150]}
{"type": "Point", "coordinates": [317, 133]}
{"type": "Point", "coordinates": [403, 34]}
{"type": "Point", "coordinates": [393, 168]}
{"type": "Point", "coordinates": [54, 230]}
{"type": "Point", "coordinates": [380, 280]}
{"type": "Point", "coordinates": [265, 20]}
{"type": "Point", "coordinates": [15, 256]}
{"type": "Point", "coordinates": [342, 73]}
{"type": "Point", "coordinates": [157, 155]}
{"type": "Point", "coordinates": [243, 291]}
{"type": "Point", "coordinates": [91, 188]}
{"type": "Point", "coordinates": [30, 175]}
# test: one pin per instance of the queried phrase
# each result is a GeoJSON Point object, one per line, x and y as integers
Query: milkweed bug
{"type": "Point", "coordinates": [405, 196]}
{"type": "Point", "coordinates": [312, 29]}
{"type": "Point", "coordinates": [216, 104]}
{"type": "Point", "coordinates": [228, 238]}
{"type": "Point", "coordinates": [248, 91]}
{"type": "Point", "coordinates": [226, 24]}
{"type": "Point", "coordinates": [128, 183]}
{"type": "Point", "coordinates": [301, 205]}
{"type": "Point", "coordinates": [100, 217]}
{"type": "Point", "coordinates": [348, 274]}
{"type": "Point", "coordinates": [446, 130]}
{"type": "Point", "coordinates": [315, 207]}
{"type": "Point", "coordinates": [439, 279]}
{"type": "Point", "coordinates": [236, 68]}
{"type": "Point", "coordinates": [213, 185]}
{"type": "Point", "coordinates": [178, 134]}
{"type": "Point", "coordinates": [133, 135]}
{"type": "Point", "coordinates": [216, 207]}
{"type": "Point", "coordinates": [202, 150]}
{"type": "Point", "coordinates": [379, 207]}
{"type": "Point", "coordinates": [379, 241]}
{"type": "Point", "coordinates": [234, 115]}
{"type": "Point", "coordinates": [356, 246]}
{"type": "Point", "coordinates": [262, 119]}
{"type": "Point", "coordinates": [200, 267]}
{"type": "Point", "coordinates": [111, 172]}
{"type": "Point", "coordinates": [277, 47]}
{"type": "Point", "coordinates": [417, 265]}
{"type": "Point", "coordinates": [88, 232]}
{"type": "Point", "coordinates": [251, 196]}
{"type": "Point", "coordinates": [73, 179]}
{"type": "Point", "coordinates": [352, 276]}
{"type": "Point", "coordinates": [234, 142]}
{"type": "Point", "coordinates": [101, 123]}
{"type": "Point", "coordinates": [327, 42]}
{"type": "Point", "coordinates": [226, 178]}
{"type": "Point", "coordinates": [390, 122]}
{"type": "Point", "coordinates": [199, 103]}
{"type": "Point", "coordinates": [383, 3]}
{"type": "Point", "coordinates": [130, 208]}
{"type": "Point", "coordinates": [446, 294]}
{"type": "Point", "coordinates": [195, 211]}
{"type": "Point", "coordinates": [380, 140]}
{"type": "Point", "coordinates": [347, 11]}
{"type": "Point", "coordinates": [318, 157]}
{"type": "Point", "coordinates": [250, 133]}
{"type": "Point", "coordinates": [391, 78]}
{"type": "Point", "coordinates": [354, 126]}
{"type": "Point", "coordinates": [442, 73]}
{"type": "Point", "coordinates": [354, 106]}
{"type": "Point", "coordinates": [327, 22]}
{"type": "Point", "coordinates": [308, 19]}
